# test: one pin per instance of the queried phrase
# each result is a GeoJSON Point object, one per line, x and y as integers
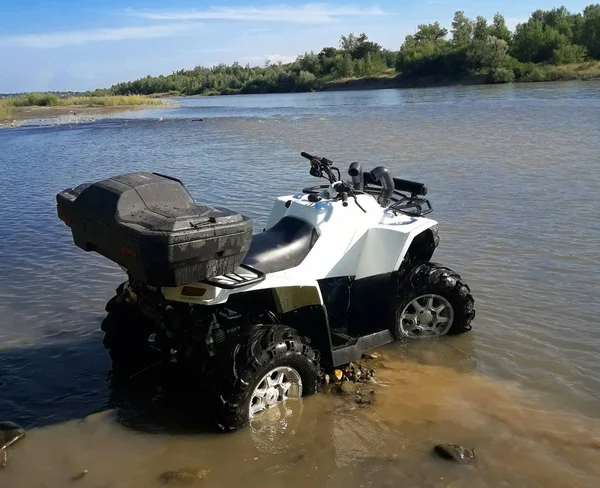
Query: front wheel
{"type": "Point", "coordinates": [433, 301]}
{"type": "Point", "coordinates": [264, 367]}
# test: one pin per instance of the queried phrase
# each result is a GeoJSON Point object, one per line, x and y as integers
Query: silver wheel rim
{"type": "Point", "coordinates": [426, 316]}
{"type": "Point", "coordinates": [278, 385]}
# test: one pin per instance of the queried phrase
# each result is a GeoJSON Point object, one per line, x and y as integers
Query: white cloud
{"type": "Point", "coordinates": [67, 38]}
{"type": "Point", "coordinates": [271, 58]}
{"type": "Point", "coordinates": [276, 58]}
{"type": "Point", "coordinates": [512, 22]}
{"type": "Point", "coordinates": [309, 13]}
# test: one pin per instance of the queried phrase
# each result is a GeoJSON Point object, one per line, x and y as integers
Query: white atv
{"type": "Point", "coordinates": [340, 269]}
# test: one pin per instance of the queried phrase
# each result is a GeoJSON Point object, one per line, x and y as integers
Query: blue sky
{"type": "Point", "coordinates": [87, 44]}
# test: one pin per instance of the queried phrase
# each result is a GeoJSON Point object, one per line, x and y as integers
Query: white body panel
{"type": "Point", "coordinates": [351, 242]}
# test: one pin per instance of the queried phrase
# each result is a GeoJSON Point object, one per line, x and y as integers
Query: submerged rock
{"type": "Point", "coordinates": [79, 476]}
{"type": "Point", "coordinates": [455, 453]}
{"type": "Point", "coordinates": [347, 388]}
{"type": "Point", "coordinates": [186, 475]}
{"type": "Point", "coordinates": [372, 355]}
{"type": "Point", "coordinates": [9, 434]}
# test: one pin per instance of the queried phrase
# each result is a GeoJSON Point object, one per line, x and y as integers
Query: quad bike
{"type": "Point", "coordinates": [340, 268]}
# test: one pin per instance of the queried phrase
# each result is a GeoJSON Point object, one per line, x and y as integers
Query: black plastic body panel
{"type": "Point", "coordinates": [354, 351]}
{"type": "Point", "coordinates": [412, 187]}
{"type": "Point", "coordinates": [151, 225]}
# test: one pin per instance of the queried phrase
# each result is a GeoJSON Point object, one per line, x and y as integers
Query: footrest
{"type": "Point", "coordinates": [244, 276]}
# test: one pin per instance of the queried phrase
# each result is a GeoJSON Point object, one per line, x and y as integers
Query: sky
{"type": "Point", "coordinates": [63, 45]}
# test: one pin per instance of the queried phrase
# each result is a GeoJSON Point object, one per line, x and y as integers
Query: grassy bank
{"type": "Point", "coordinates": [520, 73]}
{"type": "Point", "coordinates": [7, 105]}
{"type": "Point", "coordinates": [577, 71]}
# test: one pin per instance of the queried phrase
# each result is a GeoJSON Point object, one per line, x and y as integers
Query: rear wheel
{"type": "Point", "coordinates": [433, 301]}
{"type": "Point", "coordinates": [126, 333]}
{"type": "Point", "coordinates": [265, 367]}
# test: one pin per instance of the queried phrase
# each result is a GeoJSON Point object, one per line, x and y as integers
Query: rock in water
{"type": "Point", "coordinates": [79, 476]}
{"type": "Point", "coordinates": [347, 388]}
{"type": "Point", "coordinates": [9, 434]}
{"type": "Point", "coordinates": [456, 453]}
{"type": "Point", "coordinates": [183, 475]}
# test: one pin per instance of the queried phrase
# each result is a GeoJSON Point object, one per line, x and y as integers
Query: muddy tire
{"type": "Point", "coordinates": [433, 301]}
{"type": "Point", "coordinates": [126, 334]}
{"type": "Point", "coordinates": [265, 349]}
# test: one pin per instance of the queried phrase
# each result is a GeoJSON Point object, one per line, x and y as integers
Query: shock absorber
{"type": "Point", "coordinates": [215, 335]}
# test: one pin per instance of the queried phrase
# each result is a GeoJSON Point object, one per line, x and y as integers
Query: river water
{"type": "Point", "coordinates": [513, 174]}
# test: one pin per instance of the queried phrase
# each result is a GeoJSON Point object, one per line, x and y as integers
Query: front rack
{"type": "Point", "coordinates": [239, 279]}
{"type": "Point", "coordinates": [412, 205]}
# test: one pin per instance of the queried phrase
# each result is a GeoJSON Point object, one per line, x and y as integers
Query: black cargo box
{"type": "Point", "coordinates": [149, 224]}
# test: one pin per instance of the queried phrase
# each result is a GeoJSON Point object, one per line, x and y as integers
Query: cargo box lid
{"type": "Point", "coordinates": [157, 206]}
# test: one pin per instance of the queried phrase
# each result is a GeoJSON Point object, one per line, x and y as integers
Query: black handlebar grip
{"type": "Point", "coordinates": [344, 199]}
{"type": "Point", "coordinates": [306, 155]}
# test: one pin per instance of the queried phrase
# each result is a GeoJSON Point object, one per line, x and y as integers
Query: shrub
{"type": "Point", "coordinates": [5, 111]}
{"type": "Point", "coordinates": [568, 53]}
{"type": "Point", "coordinates": [501, 75]}
{"type": "Point", "coordinates": [535, 74]}
{"type": "Point", "coordinates": [42, 100]}
{"type": "Point", "coordinates": [306, 81]}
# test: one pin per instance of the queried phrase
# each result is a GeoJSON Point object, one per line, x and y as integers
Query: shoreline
{"type": "Point", "coordinates": [382, 82]}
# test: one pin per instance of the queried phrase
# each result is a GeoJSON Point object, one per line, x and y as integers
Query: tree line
{"type": "Point", "coordinates": [470, 46]}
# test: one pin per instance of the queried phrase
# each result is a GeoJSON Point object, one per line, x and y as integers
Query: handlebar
{"type": "Point", "coordinates": [322, 167]}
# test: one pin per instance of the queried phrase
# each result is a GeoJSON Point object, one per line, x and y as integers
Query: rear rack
{"type": "Point", "coordinates": [239, 279]}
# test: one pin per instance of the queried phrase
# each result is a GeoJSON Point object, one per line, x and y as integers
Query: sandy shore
{"type": "Point", "coordinates": [81, 112]}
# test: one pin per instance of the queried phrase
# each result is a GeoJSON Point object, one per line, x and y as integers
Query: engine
{"type": "Point", "coordinates": [182, 331]}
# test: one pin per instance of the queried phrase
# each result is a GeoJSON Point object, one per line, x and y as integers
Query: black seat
{"type": "Point", "coordinates": [283, 246]}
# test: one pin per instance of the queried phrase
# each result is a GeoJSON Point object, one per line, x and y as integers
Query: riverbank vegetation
{"type": "Point", "coordinates": [538, 50]}
{"type": "Point", "coordinates": [8, 103]}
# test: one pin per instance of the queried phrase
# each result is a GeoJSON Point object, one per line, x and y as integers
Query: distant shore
{"type": "Point", "coordinates": [382, 82]}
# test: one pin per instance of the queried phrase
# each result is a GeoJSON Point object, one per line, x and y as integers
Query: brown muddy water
{"type": "Point", "coordinates": [513, 174]}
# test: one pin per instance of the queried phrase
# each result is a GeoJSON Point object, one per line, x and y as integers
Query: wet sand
{"type": "Point", "coordinates": [329, 440]}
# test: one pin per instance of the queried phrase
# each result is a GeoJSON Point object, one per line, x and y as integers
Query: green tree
{"type": "Point", "coordinates": [359, 46]}
{"type": "Point", "coordinates": [344, 66]}
{"type": "Point", "coordinates": [351, 41]}
{"type": "Point", "coordinates": [430, 32]}
{"type": "Point", "coordinates": [306, 81]}
{"type": "Point", "coordinates": [568, 53]}
{"type": "Point", "coordinates": [499, 29]}
{"type": "Point", "coordinates": [462, 29]}
{"type": "Point", "coordinates": [480, 29]}
{"type": "Point", "coordinates": [309, 62]}
{"type": "Point", "coordinates": [489, 54]}
{"type": "Point", "coordinates": [535, 42]}
{"type": "Point", "coordinates": [590, 30]}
